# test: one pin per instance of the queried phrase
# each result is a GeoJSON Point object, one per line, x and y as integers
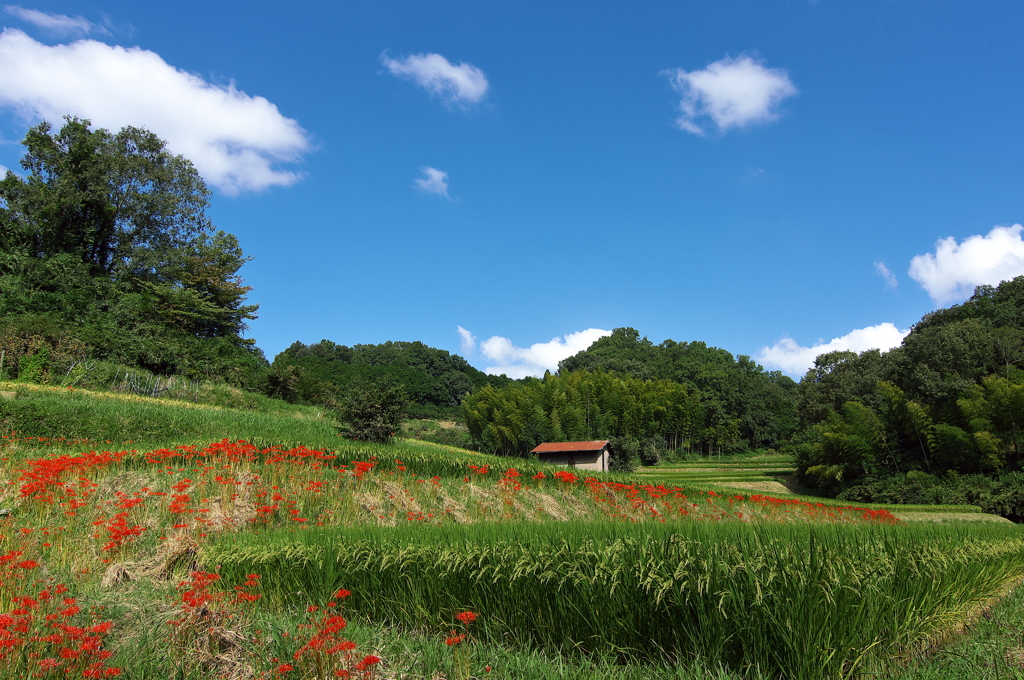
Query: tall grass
{"type": "Point", "coordinates": [794, 601]}
{"type": "Point", "coordinates": [61, 413]}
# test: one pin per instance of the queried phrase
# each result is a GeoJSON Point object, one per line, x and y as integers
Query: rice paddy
{"type": "Point", "coordinates": [290, 552]}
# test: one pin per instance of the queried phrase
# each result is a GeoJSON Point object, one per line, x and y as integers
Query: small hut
{"type": "Point", "coordinates": [583, 455]}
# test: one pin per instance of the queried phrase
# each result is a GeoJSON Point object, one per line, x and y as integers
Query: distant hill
{"type": "Point", "coordinates": [435, 380]}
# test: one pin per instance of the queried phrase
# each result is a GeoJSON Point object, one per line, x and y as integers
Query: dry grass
{"type": "Point", "coordinates": [761, 487]}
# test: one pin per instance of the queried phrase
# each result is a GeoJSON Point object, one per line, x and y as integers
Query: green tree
{"type": "Point", "coordinates": [373, 411]}
{"type": "Point", "coordinates": [758, 407]}
{"type": "Point", "coordinates": [108, 232]}
{"type": "Point", "coordinates": [435, 381]}
{"type": "Point", "coordinates": [583, 406]}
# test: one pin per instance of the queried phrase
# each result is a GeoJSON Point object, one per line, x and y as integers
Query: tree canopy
{"type": "Point", "coordinates": [732, 389]}
{"type": "Point", "coordinates": [106, 235]}
{"type": "Point", "coordinates": [434, 380]}
{"type": "Point", "coordinates": [948, 401]}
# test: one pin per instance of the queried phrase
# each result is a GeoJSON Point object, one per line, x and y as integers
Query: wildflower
{"type": "Point", "coordinates": [466, 617]}
{"type": "Point", "coordinates": [368, 661]}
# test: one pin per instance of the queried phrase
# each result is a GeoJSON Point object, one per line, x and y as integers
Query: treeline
{"type": "Point", "coordinates": [434, 381]}
{"type": "Point", "coordinates": [649, 399]}
{"type": "Point", "coordinates": [938, 419]}
{"type": "Point", "coordinates": [743, 405]}
{"type": "Point", "coordinates": [636, 414]}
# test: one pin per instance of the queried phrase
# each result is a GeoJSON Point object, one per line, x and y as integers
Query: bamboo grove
{"type": "Point", "coordinates": [584, 406]}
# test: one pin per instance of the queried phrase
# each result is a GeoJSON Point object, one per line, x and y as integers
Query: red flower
{"type": "Point", "coordinates": [466, 617]}
{"type": "Point", "coordinates": [368, 660]}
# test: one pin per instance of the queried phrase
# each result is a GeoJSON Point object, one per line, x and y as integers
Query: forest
{"type": "Point", "coordinates": [937, 419]}
{"type": "Point", "coordinates": [435, 382]}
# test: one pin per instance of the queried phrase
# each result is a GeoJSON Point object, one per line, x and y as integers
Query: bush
{"type": "Point", "coordinates": [373, 411]}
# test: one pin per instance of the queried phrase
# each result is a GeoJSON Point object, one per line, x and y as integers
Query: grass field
{"type": "Point", "coordinates": [150, 539]}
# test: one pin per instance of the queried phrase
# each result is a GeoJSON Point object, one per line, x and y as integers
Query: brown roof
{"type": "Point", "coordinates": [556, 447]}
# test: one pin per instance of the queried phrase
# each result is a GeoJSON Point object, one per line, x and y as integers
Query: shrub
{"type": "Point", "coordinates": [372, 411]}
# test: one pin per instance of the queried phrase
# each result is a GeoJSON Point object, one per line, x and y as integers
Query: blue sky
{"type": "Point", "coordinates": [508, 181]}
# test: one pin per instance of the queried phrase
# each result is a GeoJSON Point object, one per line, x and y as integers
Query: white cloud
{"type": "Point", "coordinates": [519, 362]}
{"type": "Point", "coordinates": [733, 93]}
{"type": "Point", "coordinates": [890, 278]}
{"type": "Point", "coordinates": [789, 357]}
{"type": "Point", "coordinates": [467, 341]}
{"type": "Point", "coordinates": [233, 139]}
{"type": "Point", "coordinates": [950, 273]}
{"type": "Point", "coordinates": [464, 83]}
{"type": "Point", "coordinates": [55, 24]}
{"type": "Point", "coordinates": [433, 181]}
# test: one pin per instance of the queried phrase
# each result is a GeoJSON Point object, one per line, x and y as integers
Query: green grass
{"type": "Point", "coordinates": [720, 473]}
{"type": "Point", "coordinates": [990, 647]}
{"type": "Point", "coordinates": [725, 593]}
{"type": "Point", "coordinates": [103, 418]}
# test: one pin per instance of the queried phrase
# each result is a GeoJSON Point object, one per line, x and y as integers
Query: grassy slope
{"type": "Point", "coordinates": [99, 421]}
{"type": "Point", "coordinates": [773, 475]}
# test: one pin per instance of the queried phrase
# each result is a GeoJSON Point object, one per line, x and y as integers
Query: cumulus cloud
{"type": "Point", "coordinates": [467, 341]}
{"type": "Point", "coordinates": [732, 93]}
{"type": "Point", "coordinates": [233, 139]}
{"type": "Point", "coordinates": [434, 181]}
{"type": "Point", "coordinates": [789, 357]}
{"type": "Point", "coordinates": [462, 84]}
{"type": "Point", "coordinates": [950, 273]}
{"type": "Point", "coordinates": [888, 276]}
{"type": "Point", "coordinates": [519, 362]}
{"type": "Point", "coordinates": [55, 24]}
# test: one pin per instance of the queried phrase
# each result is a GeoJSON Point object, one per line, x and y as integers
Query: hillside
{"type": "Point", "coordinates": [936, 420]}
{"type": "Point", "coordinates": [434, 380]}
{"type": "Point", "coordinates": [299, 554]}
{"type": "Point", "coordinates": [731, 389]}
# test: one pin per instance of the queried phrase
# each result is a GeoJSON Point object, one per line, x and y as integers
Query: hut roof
{"type": "Point", "coordinates": [558, 447]}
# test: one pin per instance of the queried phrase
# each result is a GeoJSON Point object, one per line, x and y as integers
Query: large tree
{"type": "Point", "coordinates": [108, 232]}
